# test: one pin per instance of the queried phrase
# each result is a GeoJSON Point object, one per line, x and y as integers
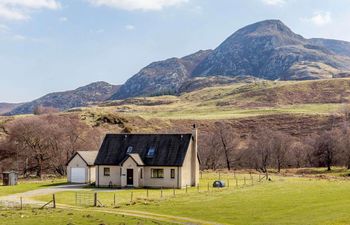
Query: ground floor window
{"type": "Point", "coordinates": [141, 173]}
{"type": "Point", "coordinates": [106, 171]}
{"type": "Point", "coordinates": [172, 173]}
{"type": "Point", "coordinates": [157, 173]}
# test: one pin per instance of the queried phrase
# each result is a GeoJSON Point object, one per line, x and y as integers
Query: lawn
{"type": "Point", "coordinates": [28, 185]}
{"type": "Point", "coordinates": [284, 200]}
{"type": "Point", "coordinates": [65, 217]}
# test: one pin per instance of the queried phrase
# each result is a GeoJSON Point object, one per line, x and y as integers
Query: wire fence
{"type": "Point", "coordinates": [122, 197]}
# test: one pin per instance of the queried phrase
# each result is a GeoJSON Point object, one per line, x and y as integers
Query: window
{"type": "Point", "coordinates": [151, 152]}
{"type": "Point", "coordinates": [172, 173]}
{"type": "Point", "coordinates": [129, 150]}
{"type": "Point", "coordinates": [106, 171]}
{"type": "Point", "coordinates": [141, 173]}
{"type": "Point", "coordinates": [157, 173]}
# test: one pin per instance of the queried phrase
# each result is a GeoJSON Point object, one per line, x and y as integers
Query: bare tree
{"type": "Point", "coordinates": [40, 110]}
{"type": "Point", "coordinates": [279, 147]}
{"type": "Point", "coordinates": [229, 143]}
{"type": "Point", "coordinates": [45, 143]}
{"type": "Point", "coordinates": [327, 148]}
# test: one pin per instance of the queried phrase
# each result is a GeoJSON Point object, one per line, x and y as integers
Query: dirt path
{"type": "Point", "coordinates": [142, 214]}
{"type": "Point", "coordinates": [27, 199]}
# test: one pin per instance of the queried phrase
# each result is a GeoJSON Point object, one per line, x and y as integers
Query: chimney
{"type": "Point", "coordinates": [195, 161]}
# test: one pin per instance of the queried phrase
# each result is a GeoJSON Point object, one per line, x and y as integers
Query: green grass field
{"type": "Point", "coordinates": [27, 185]}
{"type": "Point", "coordinates": [66, 217]}
{"type": "Point", "coordinates": [284, 200]}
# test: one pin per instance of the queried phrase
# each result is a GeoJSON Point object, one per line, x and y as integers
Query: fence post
{"type": "Point", "coordinates": [174, 191]}
{"type": "Point", "coordinates": [21, 203]}
{"type": "Point", "coordinates": [228, 183]}
{"type": "Point", "coordinates": [201, 174]}
{"type": "Point", "coordinates": [236, 182]}
{"type": "Point", "coordinates": [131, 197]}
{"type": "Point", "coordinates": [114, 200]}
{"type": "Point", "coordinates": [161, 192]}
{"type": "Point", "coordinates": [208, 187]}
{"type": "Point", "coordinates": [54, 201]}
{"type": "Point", "coordinates": [147, 194]}
{"type": "Point", "coordinates": [76, 198]}
{"type": "Point", "coordinates": [95, 199]}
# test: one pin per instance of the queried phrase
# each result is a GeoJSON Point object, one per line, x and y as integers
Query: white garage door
{"type": "Point", "coordinates": [78, 175]}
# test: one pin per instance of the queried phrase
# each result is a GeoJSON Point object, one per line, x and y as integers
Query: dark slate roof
{"type": "Point", "coordinates": [170, 148]}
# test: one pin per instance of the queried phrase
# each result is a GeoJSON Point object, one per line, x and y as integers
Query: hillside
{"type": "Point", "coordinates": [267, 50]}
{"type": "Point", "coordinates": [241, 100]}
{"type": "Point", "coordinates": [83, 96]}
{"type": "Point", "coordinates": [8, 107]}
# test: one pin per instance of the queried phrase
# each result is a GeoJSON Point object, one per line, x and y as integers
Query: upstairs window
{"type": "Point", "coordinates": [151, 152]}
{"type": "Point", "coordinates": [129, 149]}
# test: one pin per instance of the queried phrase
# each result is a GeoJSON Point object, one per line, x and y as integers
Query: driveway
{"type": "Point", "coordinates": [26, 196]}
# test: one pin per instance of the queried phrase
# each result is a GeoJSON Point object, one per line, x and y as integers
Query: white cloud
{"type": "Point", "coordinates": [274, 2]}
{"type": "Point", "coordinates": [63, 19]}
{"type": "Point", "coordinates": [145, 5]}
{"type": "Point", "coordinates": [21, 9]}
{"type": "Point", "coordinates": [320, 18]}
{"type": "Point", "coordinates": [130, 27]}
{"type": "Point", "coordinates": [19, 37]}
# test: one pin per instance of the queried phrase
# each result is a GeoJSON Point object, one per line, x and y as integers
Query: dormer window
{"type": "Point", "coordinates": [151, 152]}
{"type": "Point", "coordinates": [129, 149]}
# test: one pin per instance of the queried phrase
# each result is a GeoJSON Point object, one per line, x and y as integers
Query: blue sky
{"type": "Point", "coordinates": [56, 45]}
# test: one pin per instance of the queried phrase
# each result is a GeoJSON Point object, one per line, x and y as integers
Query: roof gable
{"type": "Point", "coordinates": [88, 157]}
{"type": "Point", "coordinates": [134, 156]}
{"type": "Point", "coordinates": [170, 149]}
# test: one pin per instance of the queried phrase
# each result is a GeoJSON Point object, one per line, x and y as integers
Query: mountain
{"type": "Point", "coordinates": [267, 49]}
{"type": "Point", "coordinates": [8, 107]}
{"type": "Point", "coordinates": [163, 77]}
{"type": "Point", "coordinates": [83, 96]}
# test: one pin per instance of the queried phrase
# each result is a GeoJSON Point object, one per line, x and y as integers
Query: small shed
{"type": "Point", "coordinates": [81, 168]}
{"type": "Point", "coordinates": [9, 178]}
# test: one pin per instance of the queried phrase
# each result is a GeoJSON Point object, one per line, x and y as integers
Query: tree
{"type": "Point", "coordinates": [46, 142]}
{"type": "Point", "coordinates": [344, 145]}
{"type": "Point", "coordinates": [228, 143]}
{"type": "Point", "coordinates": [40, 110]}
{"type": "Point", "coordinates": [259, 152]}
{"type": "Point", "coordinates": [279, 147]}
{"type": "Point", "coordinates": [327, 148]}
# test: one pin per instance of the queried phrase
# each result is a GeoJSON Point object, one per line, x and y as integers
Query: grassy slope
{"type": "Point", "coordinates": [64, 217]}
{"type": "Point", "coordinates": [243, 100]}
{"type": "Point", "coordinates": [285, 200]}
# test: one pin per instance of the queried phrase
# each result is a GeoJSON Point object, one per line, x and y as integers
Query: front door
{"type": "Point", "coordinates": [130, 177]}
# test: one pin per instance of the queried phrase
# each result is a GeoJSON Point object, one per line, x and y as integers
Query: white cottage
{"type": "Point", "coordinates": [148, 160]}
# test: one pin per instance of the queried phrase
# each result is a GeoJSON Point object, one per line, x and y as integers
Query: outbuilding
{"type": "Point", "coordinates": [81, 168]}
{"type": "Point", "coordinates": [9, 178]}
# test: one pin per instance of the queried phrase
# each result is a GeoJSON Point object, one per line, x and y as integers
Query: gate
{"type": "Point", "coordinates": [84, 199]}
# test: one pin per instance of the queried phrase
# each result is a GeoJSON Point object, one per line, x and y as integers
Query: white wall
{"type": "Point", "coordinates": [78, 162]}
{"type": "Point", "coordinates": [104, 181]}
